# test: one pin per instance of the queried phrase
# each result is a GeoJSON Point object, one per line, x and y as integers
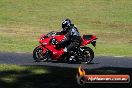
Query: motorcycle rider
{"type": "Point", "coordinates": [72, 38]}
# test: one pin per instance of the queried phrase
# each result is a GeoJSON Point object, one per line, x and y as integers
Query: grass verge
{"type": "Point", "coordinates": [22, 22]}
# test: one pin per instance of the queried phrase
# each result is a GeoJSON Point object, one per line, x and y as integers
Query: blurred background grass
{"type": "Point", "coordinates": [23, 21]}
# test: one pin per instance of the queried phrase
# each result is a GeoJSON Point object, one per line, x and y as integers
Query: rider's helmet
{"type": "Point", "coordinates": [66, 24]}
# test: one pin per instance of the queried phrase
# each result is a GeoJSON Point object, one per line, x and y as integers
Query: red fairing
{"type": "Point", "coordinates": [59, 37]}
{"type": "Point", "coordinates": [87, 41]}
{"type": "Point", "coordinates": [55, 53]}
{"type": "Point", "coordinates": [44, 41]}
{"type": "Point", "coordinates": [45, 44]}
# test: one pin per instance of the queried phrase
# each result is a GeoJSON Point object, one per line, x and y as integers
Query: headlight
{"type": "Point", "coordinates": [53, 41]}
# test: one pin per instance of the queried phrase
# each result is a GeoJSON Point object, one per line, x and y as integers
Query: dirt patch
{"type": "Point", "coordinates": [120, 26]}
{"type": "Point", "coordinates": [115, 25]}
{"type": "Point", "coordinates": [114, 38]}
{"type": "Point", "coordinates": [7, 30]}
{"type": "Point", "coordinates": [130, 42]}
{"type": "Point", "coordinates": [97, 22]}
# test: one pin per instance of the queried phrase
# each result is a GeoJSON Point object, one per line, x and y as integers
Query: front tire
{"type": "Point", "coordinates": [38, 56]}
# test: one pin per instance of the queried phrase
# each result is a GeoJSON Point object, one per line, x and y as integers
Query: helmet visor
{"type": "Point", "coordinates": [64, 26]}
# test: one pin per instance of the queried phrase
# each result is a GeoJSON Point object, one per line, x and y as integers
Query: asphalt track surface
{"type": "Point", "coordinates": [98, 62]}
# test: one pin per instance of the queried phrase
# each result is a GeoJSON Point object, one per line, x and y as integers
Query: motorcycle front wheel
{"type": "Point", "coordinates": [38, 55]}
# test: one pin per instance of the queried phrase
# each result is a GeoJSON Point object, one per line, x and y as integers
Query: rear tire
{"type": "Point", "coordinates": [88, 55]}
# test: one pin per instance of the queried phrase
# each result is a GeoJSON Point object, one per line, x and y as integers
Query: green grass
{"type": "Point", "coordinates": [14, 76]}
{"type": "Point", "coordinates": [23, 21]}
{"type": "Point", "coordinates": [114, 50]}
{"type": "Point", "coordinates": [11, 73]}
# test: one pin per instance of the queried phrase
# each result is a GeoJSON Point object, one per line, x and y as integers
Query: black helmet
{"type": "Point", "coordinates": [66, 24]}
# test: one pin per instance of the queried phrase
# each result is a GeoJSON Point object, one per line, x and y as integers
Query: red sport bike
{"type": "Point", "coordinates": [49, 51]}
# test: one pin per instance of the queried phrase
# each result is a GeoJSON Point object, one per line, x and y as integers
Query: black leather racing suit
{"type": "Point", "coordinates": [72, 39]}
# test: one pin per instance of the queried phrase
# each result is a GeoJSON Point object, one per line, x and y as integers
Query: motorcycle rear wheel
{"type": "Point", "coordinates": [88, 55]}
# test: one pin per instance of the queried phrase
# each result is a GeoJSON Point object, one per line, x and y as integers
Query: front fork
{"type": "Point", "coordinates": [44, 50]}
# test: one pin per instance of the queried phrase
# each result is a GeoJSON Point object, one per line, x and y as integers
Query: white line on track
{"type": "Point", "coordinates": [119, 56]}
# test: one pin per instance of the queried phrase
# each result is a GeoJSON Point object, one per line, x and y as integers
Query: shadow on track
{"type": "Point", "coordinates": [66, 62]}
{"type": "Point", "coordinates": [58, 78]}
